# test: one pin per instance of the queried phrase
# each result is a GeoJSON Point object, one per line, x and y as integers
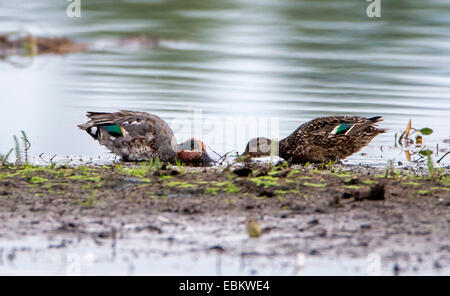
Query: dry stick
{"type": "Point", "coordinates": [51, 45]}
{"type": "Point", "coordinates": [400, 139]}
{"type": "Point", "coordinates": [33, 44]}
{"type": "Point", "coordinates": [443, 156]}
{"type": "Point", "coordinates": [40, 156]}
{"type": "Point", "coordinates": [406, 136]}
{"type": "Point", "coordinates": [225, 156]}
{"type": "Point", "coordinates": [214, 151]}
{"type": "Point", "coordinates": [59, 45]}
{"type": "Point", "coordinates": [220, 156]}
{"type": "Point", "coordinates": [51, 159]}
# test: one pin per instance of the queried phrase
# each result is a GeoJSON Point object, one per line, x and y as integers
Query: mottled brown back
{"type": "Point", "coordinates": [314, 142]}
{"type": "Point", "coordinates": [145, 135]}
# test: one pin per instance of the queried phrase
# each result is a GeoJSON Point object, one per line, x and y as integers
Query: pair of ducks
{"type": "Point", "coordinates": [140, 136]}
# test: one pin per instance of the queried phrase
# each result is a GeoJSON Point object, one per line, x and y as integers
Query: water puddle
{"type": "Point", "coordinates": [39, 256]}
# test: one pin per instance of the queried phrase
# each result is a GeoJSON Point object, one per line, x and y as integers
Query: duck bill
{"type": "Point", "coordinates": [206, 160]}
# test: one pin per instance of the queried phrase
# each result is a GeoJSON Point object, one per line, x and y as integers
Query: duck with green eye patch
{"type": "Point", "coordinates": [140, 136]}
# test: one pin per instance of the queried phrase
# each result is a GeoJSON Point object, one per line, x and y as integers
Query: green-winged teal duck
{"type": "Point", "coordinates": [320, 140]}
{"type": "Point", "coordinates": [140, 136]}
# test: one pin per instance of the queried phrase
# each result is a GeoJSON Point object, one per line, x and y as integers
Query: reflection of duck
{"type": "Point", "coordinates": [320, 140]}
{"type": "Point", "coordinates": [140, 136]}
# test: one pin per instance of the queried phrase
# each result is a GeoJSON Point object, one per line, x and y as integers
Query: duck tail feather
{"type": "Point", "coordinates": [376, 119]}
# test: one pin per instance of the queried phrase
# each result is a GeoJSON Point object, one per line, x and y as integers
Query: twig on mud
{"type": "Point", "coordinates": [215, 153]}
{"type": "Point", "coordinates": [225, 156]}
{"type": "Point", "coordinates": [50, 161]}
{"type": "Point", "coordinates": [414, 172]}
{"type": "Point", "coordinates": [443, 157]}
{"type": "Point", "coordinates": [221, 157]}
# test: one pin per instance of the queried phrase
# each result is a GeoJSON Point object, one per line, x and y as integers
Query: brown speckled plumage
{"type": "Point", "coordinates": [318, 141]}
{"type": "Point", "coordinates": [145, 135]}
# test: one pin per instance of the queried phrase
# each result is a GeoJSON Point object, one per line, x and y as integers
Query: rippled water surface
{"type": "Point", "coordinates": [242, 68]}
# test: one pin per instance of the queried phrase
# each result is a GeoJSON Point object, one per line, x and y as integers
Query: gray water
{"type": "Point", "coordinates": [87, 258]}
{"type": "Point", "coordinates": [242, 68]}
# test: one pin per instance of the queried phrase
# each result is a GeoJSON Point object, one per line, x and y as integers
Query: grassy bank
{"type": "Point", "coordinates": [158, 186]}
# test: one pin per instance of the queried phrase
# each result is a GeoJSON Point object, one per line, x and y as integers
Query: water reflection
{"type": "Point", "coordinates": [262, 61]}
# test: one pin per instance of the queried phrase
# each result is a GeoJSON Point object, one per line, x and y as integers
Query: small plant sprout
{"type": "Point", "coordinates": [389, 168]}
{"type": "Point", "coordinates": [26, 145]}
{"type": "Point", "coordinates": [431, 170]}
{"type": "Point", "coordinates": [4, 158]}
{"type": "Point", "coordinates": [405, 140]}
{"type": "Point", "coordinates": [178, 163]}
{"type": "Point", "coordinates": [17, 150]}
{"type": "Point", "coordinates": [155, 164]}
{"type": "Point", "coordinates": [330, 164]}
{"type": "Point", "coordinates": [412, 136]}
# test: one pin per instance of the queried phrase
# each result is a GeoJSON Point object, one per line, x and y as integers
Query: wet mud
{"type": "Point", "coordinates": [332, 213]}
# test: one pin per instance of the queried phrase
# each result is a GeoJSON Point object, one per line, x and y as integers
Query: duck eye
{"type": "Point", "coordinates": [195, 146]}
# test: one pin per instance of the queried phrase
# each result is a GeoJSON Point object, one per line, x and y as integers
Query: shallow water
{"type": "Point", "coordinates": [241, 69]}
{"type": "Point", "coordinates": [37, 255]}
{"type": "Point", "coordinates": [135, 258]}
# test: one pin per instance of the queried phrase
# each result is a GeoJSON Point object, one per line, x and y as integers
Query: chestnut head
{"type": "Point", "coordinates": [194, 151]}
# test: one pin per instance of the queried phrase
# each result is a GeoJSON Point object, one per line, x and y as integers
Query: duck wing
{"type": "Point", "coordinates": [333, 137]}
{"type": "Point", "coordinates": [326, 128]}
{"type": "Point", "coordinates": [355, 125]}
{"type": "Point", "coordinates": [133, 135]}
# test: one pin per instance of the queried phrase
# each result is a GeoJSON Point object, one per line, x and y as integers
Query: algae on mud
{"type": "Point", "coordinates": [142, 182]}
{"type": "Point", "coordinates": [356, 210]}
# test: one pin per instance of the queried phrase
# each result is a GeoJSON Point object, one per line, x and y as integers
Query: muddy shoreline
{"type": "Point", "coordinates": [332, 213]}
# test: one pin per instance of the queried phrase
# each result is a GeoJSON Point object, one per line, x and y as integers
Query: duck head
{"type": "Point", "coordinates": [261, 146]}
{"type": "Point", "coordinates": [194, 151]}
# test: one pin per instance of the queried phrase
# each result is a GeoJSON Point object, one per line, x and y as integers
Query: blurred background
{"type": "Point", "coordinates": [242, 68]}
